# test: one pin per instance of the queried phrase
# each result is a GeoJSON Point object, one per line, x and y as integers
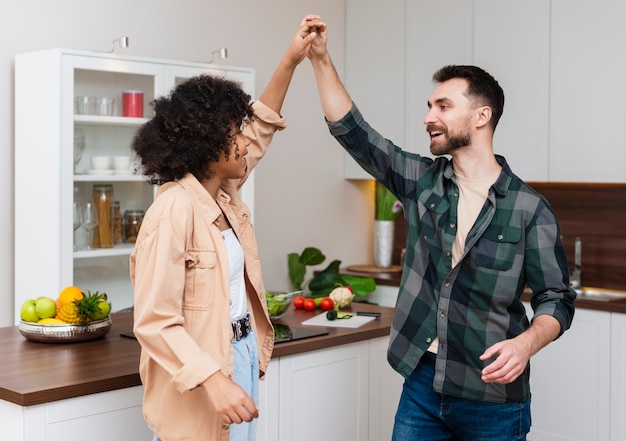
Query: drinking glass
{"type": "Point", "coordinates": [90, 222]}
{"type": "Point", "coordinates": [78, 220]}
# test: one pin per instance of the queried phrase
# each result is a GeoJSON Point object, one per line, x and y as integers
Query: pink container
{"type": "Point", "coordinates": [132, 103]}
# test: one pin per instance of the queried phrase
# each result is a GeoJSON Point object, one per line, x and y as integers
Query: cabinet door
{"type": "Point", "coordinates": [570, 382]}
{"type": "Point", "coordinates": [375, 68]}
{"type": "Point", "coordinates": [324, 394]}
{"type": "Point", "coordinates": [588, 91]}
{"type": "Point", "coordinates": [385, 388]}
{"type": "Point", "coordinates": [519, 58]}
{"type": "Point", "coordinates": [618, 370]}
{"type": "Point", "coordinates": [267, 429]}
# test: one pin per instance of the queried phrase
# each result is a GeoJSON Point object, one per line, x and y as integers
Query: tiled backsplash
{"type": "Point", "coordinates": [594, 212]}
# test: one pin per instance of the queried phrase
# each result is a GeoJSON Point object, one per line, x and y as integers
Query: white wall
{"type": "Point", "coordinates": [301, 196]}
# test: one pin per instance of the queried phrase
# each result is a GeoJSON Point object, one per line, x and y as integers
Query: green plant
{"type": "Point", "coordinates": [388, 207]}
{"type": "Point", "coordinates": [325, 280]}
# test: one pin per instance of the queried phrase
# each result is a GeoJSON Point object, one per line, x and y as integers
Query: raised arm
{"type": "Point", "coordinates": [274, 94]}
{"type": "Point", "coordinates": [336, 101]}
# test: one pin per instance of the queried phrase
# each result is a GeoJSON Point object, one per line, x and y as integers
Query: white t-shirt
{"type": "Point", "coordinates": [238, 305]}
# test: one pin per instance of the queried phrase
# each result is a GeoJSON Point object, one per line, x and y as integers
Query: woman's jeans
{"type": "Point", "coordinates": [246, 375]}
{"type": "Point", "coordinates": [426, 415]}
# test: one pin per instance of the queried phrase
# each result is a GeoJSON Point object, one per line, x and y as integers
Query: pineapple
{"type": "Point", "coordinates": [83, 310]}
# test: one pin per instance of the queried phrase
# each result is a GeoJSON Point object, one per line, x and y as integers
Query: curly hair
{"type": "Point", "coordinates": [191, 128]}
{"type": "Point", "coordinates": [482, 87]}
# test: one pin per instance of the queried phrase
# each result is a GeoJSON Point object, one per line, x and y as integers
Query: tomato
{"type": "Point", "coordinates": [298, 301]}
{"type": "Point", "coordinates": [327, 304]}
{"type": "Point", "coordinates": [309, 304]}
{"type": "Point", "coordinates": [349, 287]}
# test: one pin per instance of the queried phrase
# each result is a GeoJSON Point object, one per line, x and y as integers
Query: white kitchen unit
{"type": "Point", "coordinates": [587, 82]}
{"type": "Point", "coordinates": [618, 376]}
{"type": "Point", "coordinates": [47, 181]}
{"type": "Point", "coordinates": [556, 60]}
{"type": "Point", "coordinates": [571, 382]}
{"type": "Point", "coordinates": [343, 393]}
{"type": "Point", "coordinates": [97, 417]}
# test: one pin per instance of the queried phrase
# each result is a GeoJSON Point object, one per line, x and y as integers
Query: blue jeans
{"type": "Point", "coordinates": [246, 375]}
{"type": "Point", "coordinates": [426, 415]}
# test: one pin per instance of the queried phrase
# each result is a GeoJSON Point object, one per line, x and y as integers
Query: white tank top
{"type": "Point", "coordinates": [238, 305]}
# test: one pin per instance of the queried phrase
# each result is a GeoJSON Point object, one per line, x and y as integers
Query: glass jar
{"type": "Point", "coordinates": [132, 223]}
{"type": "Point", "coordinates": [103, 200]}
{"type": "Point", "coordinates": [117, 223]}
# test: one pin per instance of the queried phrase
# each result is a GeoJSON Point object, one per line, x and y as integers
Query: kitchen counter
{"type": "Point", "coordinates": [34, 373]}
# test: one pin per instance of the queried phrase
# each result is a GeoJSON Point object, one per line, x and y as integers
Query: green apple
{"type": "Point", "coordinates": [45, 307]}
{"type": "Point", "coordinates": [104, 308]}
{"type": "Point", "coordinates": [27, 312]}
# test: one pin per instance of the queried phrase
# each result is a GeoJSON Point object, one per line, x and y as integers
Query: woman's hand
{"type": "Point", "coordinates": [232, 404]}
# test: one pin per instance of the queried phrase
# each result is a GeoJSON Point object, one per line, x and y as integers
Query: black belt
{"type": "Point", "coordinates": [242, 327]}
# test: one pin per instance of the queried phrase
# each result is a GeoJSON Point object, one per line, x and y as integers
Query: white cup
{"type": "Point", "coordinates": [121, 163]}
{"type": "Point", "coordinates": [101, 162]}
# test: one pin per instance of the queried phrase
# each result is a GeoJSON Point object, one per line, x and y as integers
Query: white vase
{"type": "Point", "coordinates": [383, 243]}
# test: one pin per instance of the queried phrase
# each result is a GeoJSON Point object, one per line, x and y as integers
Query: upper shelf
{"type": "Point", "coordinates": [110, 120]}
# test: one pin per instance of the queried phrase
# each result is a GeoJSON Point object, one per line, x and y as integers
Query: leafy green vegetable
{"type": "Point", "coordinates": [298, 263]}
{"type": "Point", "coordinates": [326, 280]}
{"type": "Point", "coordinates": [276, 303]}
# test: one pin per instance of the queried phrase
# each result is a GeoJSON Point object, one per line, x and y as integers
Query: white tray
{"type": "Point", "coordinates": [353, 322]}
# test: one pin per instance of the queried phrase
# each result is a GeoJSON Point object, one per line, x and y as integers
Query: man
{"type": "Point", "coordinates": [476, 237]}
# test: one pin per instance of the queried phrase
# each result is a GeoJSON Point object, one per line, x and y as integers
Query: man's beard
{"type": "Point", "coordinates": [454, 142]}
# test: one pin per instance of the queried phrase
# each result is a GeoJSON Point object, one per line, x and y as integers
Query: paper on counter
{"type": "Point", "coordinates": [353, 322]}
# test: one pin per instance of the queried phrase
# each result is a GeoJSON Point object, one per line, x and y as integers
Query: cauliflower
{"type": "Point", "coordinates": [342, 296]}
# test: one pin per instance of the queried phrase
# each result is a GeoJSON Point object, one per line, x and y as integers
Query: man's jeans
{"type": "Point", "coordinates": [429, 416]}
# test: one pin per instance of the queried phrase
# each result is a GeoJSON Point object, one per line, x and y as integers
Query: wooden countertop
{"type": "Point", "coordinates": [34, 373]}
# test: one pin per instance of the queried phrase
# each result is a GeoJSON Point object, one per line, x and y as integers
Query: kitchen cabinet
{"type": "Point", "coordinates": [587, 89]}
{"type": "Point", "coordinates": [347, 392]}
{"type": "Point", "coordinates": [618, 378]}
{"type": "Point", "coordinates": [97, 417]}
{"type": "Point", "coordinates": [47, 180]}
{"type": "Point", "coordinates": [555, 61]}
{"type": "Point", "coordinates": [571, 382]}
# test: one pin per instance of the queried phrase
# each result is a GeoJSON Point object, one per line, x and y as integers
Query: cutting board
{"type": "Point", "coordinates": [353, 322]}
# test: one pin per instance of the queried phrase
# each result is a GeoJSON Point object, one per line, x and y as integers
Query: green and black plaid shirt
{"type": "Point", "coordinates": [514, 243]}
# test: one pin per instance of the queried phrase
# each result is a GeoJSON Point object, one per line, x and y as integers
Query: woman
{"type": "Point", "coordinates": [200, 312]}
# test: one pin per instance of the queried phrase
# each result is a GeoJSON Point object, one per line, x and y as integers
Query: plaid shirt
{"type": "Point", "coordinates": [515, 242]}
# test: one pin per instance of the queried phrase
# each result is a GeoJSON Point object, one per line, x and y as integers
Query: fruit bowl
{"type": "Point", "coordinates": [278, 302]}
{"type": "Point", "coordinates": [64, 333]}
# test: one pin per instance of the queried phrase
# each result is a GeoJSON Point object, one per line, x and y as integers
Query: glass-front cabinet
{"type": "Point", "coordinates": [73, 128]}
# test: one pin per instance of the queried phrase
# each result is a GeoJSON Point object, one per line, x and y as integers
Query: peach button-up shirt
{"type": "Point", "coordinates": [179, 270]}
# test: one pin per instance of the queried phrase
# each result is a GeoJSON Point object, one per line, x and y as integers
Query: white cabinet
{"type": "Point", "coordinates": [324, 394]}
{"type": "Point", "coordinates": [556, 61]}
{"type": "Point", "coordinates": [571, 382]}
{"type": "Point", "coordinates": [98, 417]}
{"type": "Point", "coordinates": [46, 180]}
{"type": "Point", "coordinates": [343, 393]}
{"type": "Point", "coordinates": [375, 69]}
{"type": "Point", "coordinates": [588, 89]}
{"type": "Point", "coordinates": [618, 376]}
{"type": "Point", "coordinates": [385, 387]}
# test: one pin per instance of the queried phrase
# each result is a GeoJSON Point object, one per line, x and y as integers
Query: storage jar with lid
{"type": "Point", "coordinates": [103, 200]}
{"type": "Point", "coordinates": [132, 223]}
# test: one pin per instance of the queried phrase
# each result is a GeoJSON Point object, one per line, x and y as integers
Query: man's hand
{"type": "Point", "coordinates": [308, 32]}
{"type": "Point", "coordinates": [511, 359]}
{"type": "Point", "coordinates": [229, 400]}
{"type": "Point", "coordinates": [318, 43]}
{"type": "Point", "coordinates": [511, 356]}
